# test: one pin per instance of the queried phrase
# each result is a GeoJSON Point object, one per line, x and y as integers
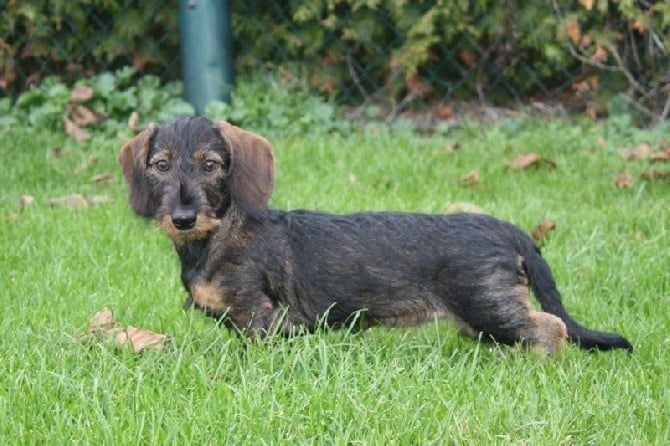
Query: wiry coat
{"type": "Point", "coordinates": [265, 271]}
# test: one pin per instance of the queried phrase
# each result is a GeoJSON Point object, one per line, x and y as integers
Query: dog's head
{"type": "Point", "coordinates": [188, 173]}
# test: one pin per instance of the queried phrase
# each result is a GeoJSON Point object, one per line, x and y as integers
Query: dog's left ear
{"type": "Point", "coordinates": [133, 159]}
{"type": "Point", "coordinates": [252, 169]}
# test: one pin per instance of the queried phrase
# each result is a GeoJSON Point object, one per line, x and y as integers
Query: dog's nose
{"type": "Point", "coordinates": [183, 219]}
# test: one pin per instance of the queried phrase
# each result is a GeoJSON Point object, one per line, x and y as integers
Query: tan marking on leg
{"type": "Point", "coordinates": [548, 333]}
{"type": "Point", "coordinates": [208, 297]}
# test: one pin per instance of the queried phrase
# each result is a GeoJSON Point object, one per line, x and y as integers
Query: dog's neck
{"type": "Point", "coordinates": [203, 257]}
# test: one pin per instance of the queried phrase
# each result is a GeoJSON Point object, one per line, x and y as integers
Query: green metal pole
{"type": "Point", "coordinates": [205, 37]}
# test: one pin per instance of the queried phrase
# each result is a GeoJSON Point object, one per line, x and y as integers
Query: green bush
{"type": "Point", "coordinates": [72, 39]}
{"type": "Point", "coordinates": [362, 49]}
{"type": "Point", "coordinates": [511, 48]}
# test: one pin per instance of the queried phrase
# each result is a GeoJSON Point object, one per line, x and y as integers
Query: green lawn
{"type": "Point", "coordinates": [610, 253]}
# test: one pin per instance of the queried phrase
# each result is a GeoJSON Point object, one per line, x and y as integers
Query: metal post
{"type": "Point", "coordinates": [205, 36]}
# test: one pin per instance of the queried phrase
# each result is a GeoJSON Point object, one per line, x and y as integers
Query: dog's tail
{"type": "Point", "coordinates": [544, 287]}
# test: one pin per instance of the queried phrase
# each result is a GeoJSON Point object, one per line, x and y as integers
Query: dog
{"type": "Point", "coordinates": [265, 272]}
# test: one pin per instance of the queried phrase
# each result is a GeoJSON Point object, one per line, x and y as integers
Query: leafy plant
{"type": "Point", "coordinates": [113, 98]}
{"type": "Point", "coordinates": [270, 105]}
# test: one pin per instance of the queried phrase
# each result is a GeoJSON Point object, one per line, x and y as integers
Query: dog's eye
{"type": "Point", "coordinates": [210, 166]}
{"type": "Point", "coordinates": [162, 165]}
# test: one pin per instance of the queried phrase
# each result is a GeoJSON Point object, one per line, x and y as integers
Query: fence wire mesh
{"type": "Point", "coordinates": [391, 54]}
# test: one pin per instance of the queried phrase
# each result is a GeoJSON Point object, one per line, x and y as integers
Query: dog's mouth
{"type": "Point", "coordinates": [188, 228]}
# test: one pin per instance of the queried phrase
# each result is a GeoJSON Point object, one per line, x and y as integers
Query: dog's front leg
{"type": "Point", "coordinates": [249, 311]}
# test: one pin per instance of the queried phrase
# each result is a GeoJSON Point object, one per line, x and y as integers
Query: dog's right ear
{"type": "Point", "coordinates": [133, 159]}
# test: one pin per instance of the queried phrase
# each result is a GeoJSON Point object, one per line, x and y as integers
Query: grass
{"type": "Point", "coordinates": [610, 253]}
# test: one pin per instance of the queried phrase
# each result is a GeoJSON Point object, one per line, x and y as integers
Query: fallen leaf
{"type": "Point", "coordinates": [588, 4]}
{"type": "Point", "coordinates": [526, 160]}
{"type": "Point", "coordinates": [591, 111]}
{"type": "Point", "coordinates": [461, 206]}
{"type": "Point", "coordinates": [134, 122]}
{"type": "Point", "coordinates": [416, 87]}
{"type": "Point", "coordinates": [26, 200]}
{"type": "Point", "coordinates": [639, 152]}
{"type": "Point", "coordinates": [140, 339]}
{"type": "Point", "coordinates": [103, 178]}
{"type": "Point", "coordinates": [443, 111]}
{"type": "Point", "coordinates": [639, 26]}
{"type": "Point", "coordinates": [574, 31]}
{"type": "Point", "coordinates": [103, 326]}
{"type": "Point", "coordinates": [82, 93]}
{"type": "Point", "coordinates": [73, 201]}
{"type": "Point", "coordinates": [600, 55]}
{"type": "Point", "coordinates": [662, 156]}
{"type": "Point", "coordinates": [469, 179]}
{"type": "Point", "coordinates": [102, 320]}
{"type": "Point", "coordinates": [542, 230]}
{"type": "Point", "coordinates": [469, 59]}
{"type": "Point", "coordinates": [74, 131]}
{"type": "Point", "coordinates": [655, 174]}
{"type": "Point", "coordinates": [623, 180]}
{"type": "Point", "coordinates": [82, 116]}
{"type": "Point", "coordinates": [96, 200]}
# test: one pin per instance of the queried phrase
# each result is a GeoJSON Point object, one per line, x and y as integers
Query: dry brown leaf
{"type": "Point", "coordinates": [26, 200]}
{"type": "Point", "coordinates": [73, 201]}
{"type": "Point", "coordinates": [588, 4]}
{"type": "Point", "coordinates": [103, 326]}
{"type": "Point", "coordinates": [140, 339]}
{"type": "Point", "coordinates": [469, 179]}
{"type": "Point", "coordinates": [639, 152]}
{"type": "Point", "coordinates": [655, 174]}
{"type": "Point", "coordinates": [75, 132]}
{"type": "Point", "coordinates": [95, 200]}
{"type": "Point", "coordinates": [542, 230]}
{"type": "Point", "coordinates": [83, 116]}
{"type": "Point", "coordinates": [81, 93]}
{"type": "Point", "coordinates": [639, 26]}
{"type": "Point", "coordinates": [102, 320]}
{"type": "Point", "coordinates": [104, 178]}
{"type": "Point", "coordinates": [134, 122]}
{"type": "Point", "coordinates": [623, 180]}
{"type": "Point", "coordinates": [526, 160]}
{"type": "Point", "coordinates": [462, 206]}
{"type": "Point", "coordinates": [443, 111]}
{"type": "Point", "coordinates": [662, 156]}
{"type": "Point", "coordinates": [416, 87]}
{"type": "Point", "coordinates": [591, 111]}
{"type": "Point", "coordinates": [574, 31]}
{"type": "Point", "coordinates": [600, 55]}
{"type": "Point", "coordinates": [468, 58]}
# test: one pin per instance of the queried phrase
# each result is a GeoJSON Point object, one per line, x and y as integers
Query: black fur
{"type": "Point", "coordinates": [265, 271]}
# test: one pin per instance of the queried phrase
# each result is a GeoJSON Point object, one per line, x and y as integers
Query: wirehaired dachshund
{"type": "Point", "coordinates": [266, 272]}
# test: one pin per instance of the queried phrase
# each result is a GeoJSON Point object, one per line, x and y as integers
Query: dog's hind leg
{"type": "Point", "coordinates": [498, 308]}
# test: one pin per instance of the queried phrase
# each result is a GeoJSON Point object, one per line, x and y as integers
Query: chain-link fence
{"type": "Point", "coordinates": [390, 54]}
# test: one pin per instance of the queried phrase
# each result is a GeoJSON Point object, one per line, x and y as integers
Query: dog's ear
{"type": "Point", "coordinates": [252, 169]}
{"type": "Point", "coordinates": [133, 159]}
